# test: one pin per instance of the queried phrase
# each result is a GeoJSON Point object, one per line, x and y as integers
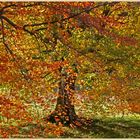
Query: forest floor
{"type": "Point", "coordinates": [98, 128]}
{"type": "Point", "coordinates": [108, 128]}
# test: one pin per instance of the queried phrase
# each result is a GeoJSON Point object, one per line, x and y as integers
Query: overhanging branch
{"type": "Point", "coordinates": [9, 21]}
{"type": "Point", "coordinates": [63, 19]}
{"type": "Point", "coordinates": [3, 39]}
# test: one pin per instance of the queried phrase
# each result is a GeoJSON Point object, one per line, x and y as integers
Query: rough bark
{"type": "Point", "coordinates": [64, 112]}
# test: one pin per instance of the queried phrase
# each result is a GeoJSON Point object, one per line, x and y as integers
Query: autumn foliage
{"type": "Point", "coordinates": [58, 60]}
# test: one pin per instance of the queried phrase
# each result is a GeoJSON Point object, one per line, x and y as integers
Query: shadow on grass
{"type": "Point", "coordinates": [115, 129]}
{"type": "Point", "coordinates": [111, 129]}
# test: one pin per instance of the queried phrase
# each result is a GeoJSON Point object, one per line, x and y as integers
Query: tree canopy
{"type": "Point", "coordinates": [96, 42]}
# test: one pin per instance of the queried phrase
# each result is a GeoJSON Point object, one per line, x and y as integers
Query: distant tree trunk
{"type": "Point", "coordinates": [64, 112]}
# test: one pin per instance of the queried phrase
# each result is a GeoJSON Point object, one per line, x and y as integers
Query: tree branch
{"type": "Point", "coordinates": [5, 7]}
{"type": "Point", "coordinates": [3, 39]}
{"type": "Point", "coordinates": [9, 21]}
{"type": "Point", "coordinates": [63, 19]}
{"type": "Point", "coordinates": [22, 6]}
{"type": "Point", "coordinates": [11, 52]}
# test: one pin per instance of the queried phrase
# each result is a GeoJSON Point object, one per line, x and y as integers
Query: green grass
{"type": "Point", "coordinates": [108, 128]}
{"type": "Point", "coordinates": [127, 127]}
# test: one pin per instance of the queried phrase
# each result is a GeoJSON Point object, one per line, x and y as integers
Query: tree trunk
{"type": "Point", "coordinates": [64, 112]}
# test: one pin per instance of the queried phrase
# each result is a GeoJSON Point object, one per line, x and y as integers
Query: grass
{"type": "Point", "coordinates": [115, 127]}
{"type": "Point", "coordinates": [99, 128]}
{"type": "Point", "coordinates": [107, 128]}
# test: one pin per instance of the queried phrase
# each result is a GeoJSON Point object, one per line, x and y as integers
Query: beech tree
{"type": "Point", "coordinates": [71, 43]}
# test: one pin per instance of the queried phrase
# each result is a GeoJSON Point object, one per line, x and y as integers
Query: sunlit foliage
{"type": "Point", "coordinates": [67, 59]}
